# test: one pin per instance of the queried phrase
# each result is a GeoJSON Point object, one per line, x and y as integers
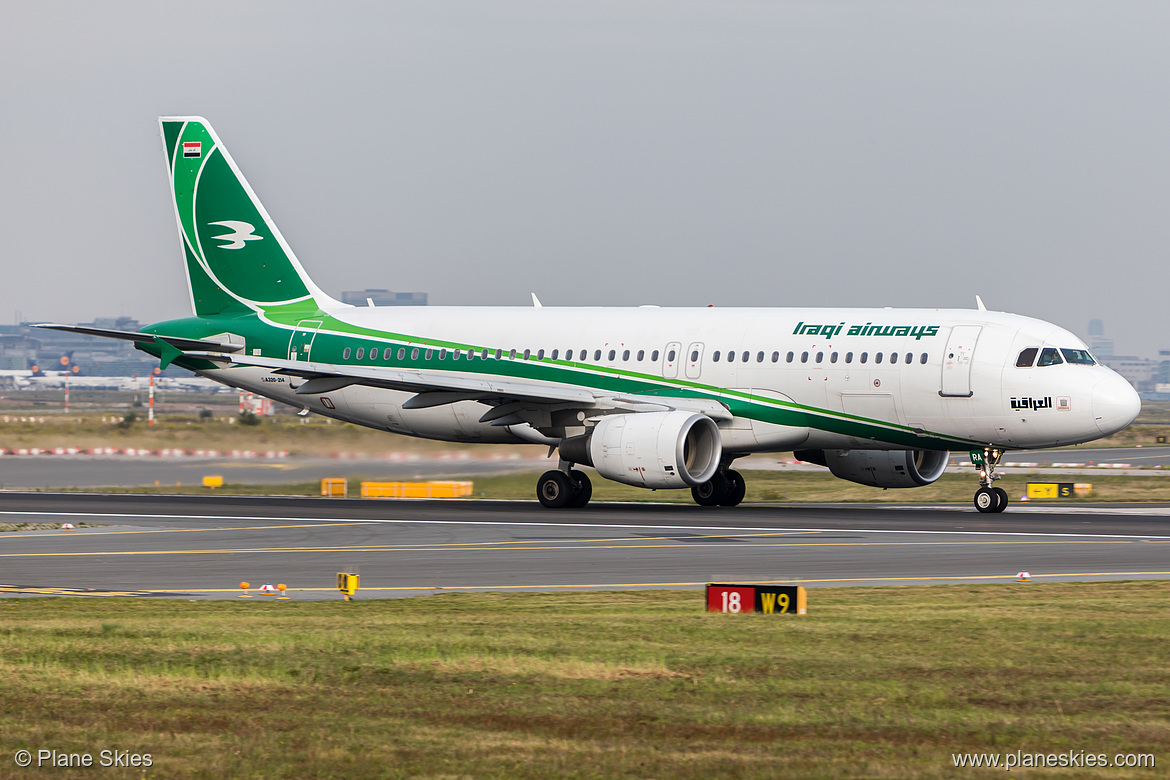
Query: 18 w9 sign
{"type": "Point", "coordinates": [767, 599]}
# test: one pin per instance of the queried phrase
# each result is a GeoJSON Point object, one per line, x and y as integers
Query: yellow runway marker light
{"type": "Point", "coordinates": [283, 591]}
{"type": "Point", "coordinates": [347, 584]}
{"type": "Point", "coordinates": [245, 594]}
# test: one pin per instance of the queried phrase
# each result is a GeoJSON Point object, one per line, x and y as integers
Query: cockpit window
{"type": "Point", "coordinates": [1078, 356]}
{"type": "Point", "coordinates": [1027, 357]}
{"type": "Point", "coordinates": [1049, 357]}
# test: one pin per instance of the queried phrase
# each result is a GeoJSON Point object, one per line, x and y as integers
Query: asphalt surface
{"type": "Point", "coordinates": [202, 547]}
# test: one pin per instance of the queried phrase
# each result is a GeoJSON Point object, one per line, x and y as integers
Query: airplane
{"type": "Point", "coordinates": [659, 398]}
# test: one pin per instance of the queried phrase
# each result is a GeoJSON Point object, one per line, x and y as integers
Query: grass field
{"type": "Point", "coordinates": [873, 682]}
{"type": "Point", "coordinates": [178, 424]}
{"type": "Point", "coordinates": [762, 486]}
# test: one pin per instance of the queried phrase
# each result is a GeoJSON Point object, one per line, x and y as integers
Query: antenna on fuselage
{"type": "Point", "coordinates": [979, 304]}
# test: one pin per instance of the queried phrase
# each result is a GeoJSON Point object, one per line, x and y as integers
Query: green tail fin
{"type": "Point", "coordinates": [237, 260]}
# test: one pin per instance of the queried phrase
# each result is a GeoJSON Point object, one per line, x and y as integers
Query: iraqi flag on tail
{"type": "Point", "coordinates": [192, 148]}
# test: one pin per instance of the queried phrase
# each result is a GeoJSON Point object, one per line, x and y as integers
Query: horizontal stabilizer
{"type": "Point", "coordinates": [181, 344]}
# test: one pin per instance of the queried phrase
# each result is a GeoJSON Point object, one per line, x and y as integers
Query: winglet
{"type": "Point", "coordinates": [979, 304]}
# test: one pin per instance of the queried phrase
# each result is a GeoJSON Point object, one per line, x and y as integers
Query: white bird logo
{"type": "Point", "coordinates": [241, 232]}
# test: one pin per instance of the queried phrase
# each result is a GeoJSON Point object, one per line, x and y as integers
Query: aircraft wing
{"type": "Point", "coordinates": [448, 387]}
{"type": "Point", "coordinates": [511, 397]}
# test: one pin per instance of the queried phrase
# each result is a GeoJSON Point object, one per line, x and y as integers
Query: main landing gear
{"type": "Point", "coordinates": [989, 498]}
{"type": "Point", "coordinates": [726, 488]}
{"type": "Point", "coordinates": [564, 488]}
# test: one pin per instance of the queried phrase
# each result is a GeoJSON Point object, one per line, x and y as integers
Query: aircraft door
{"type": "Point", "coordinates": [300, 344]}
{"type": "Point", "coordinates": [670, 359]}
{"type": "Point", "coordinates": [956, 371]}
{"type": "Point", "coordinates": [694, 358]}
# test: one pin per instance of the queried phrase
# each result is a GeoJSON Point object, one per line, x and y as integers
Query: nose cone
{"type": "Point", "coordinates": [1115, 404]}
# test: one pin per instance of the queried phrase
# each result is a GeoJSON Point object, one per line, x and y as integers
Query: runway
{"type": "Point", "coordinates": [202, 547]}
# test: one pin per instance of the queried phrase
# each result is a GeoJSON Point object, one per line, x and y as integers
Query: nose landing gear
{"type": "Point", "coordinates": [988, 498]}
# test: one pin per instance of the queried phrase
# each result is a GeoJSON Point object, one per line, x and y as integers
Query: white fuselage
{"type": "Point", "coordinates": [945, 377]}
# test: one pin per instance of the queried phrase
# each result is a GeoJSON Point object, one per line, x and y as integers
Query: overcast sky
{"type": "Point", "coordinates": [609, 153]}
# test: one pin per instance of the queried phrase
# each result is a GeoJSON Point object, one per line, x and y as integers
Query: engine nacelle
{"type": "Point", "coordinates": [650, 449]}
{"type": "Point", "coordinates": [881, 468]}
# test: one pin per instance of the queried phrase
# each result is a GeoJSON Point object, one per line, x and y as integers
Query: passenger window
{"type": "Point", "coordinates": [471, 354]}
{"type": "Point", "coordinates": [641, 355]}
{"type": "Point", "coordinates": [443, 353]}
{"type": "Point", "coordinates": [1049, 357]}
{"type": "Point", "coordinates": [730, 357]}
{"type": "Point", "coordinates": [428, 353]}
{"type": "Point", "coordinates": [775, 357]}
{"type": "Point", "coordinates": [694, 356]}
{"type": "Point", "coordinates": [401, 354]}
{"type": "Point", "coordinates": [597, 354]}
{"type": "Point", "coordinates": [746, 357]}
{"type": "Point", "coordinates": [1027, 357]}
{"type": "Point", "coordinates": [455, 354]}
{"type": "Point", "coordinates": [568, 354]}
{"type": "Point", "coordinates": [555, 352]}
{"type": "Point", "coordinates": [1080, 357]}
{"type": "Point", "coordinates": [909, 358]}
{"type": "Point", "coordinates": [625, 356]}
{"type": "Point", "coordinates": [512, 354]}
{"type": "Point", "coordinates": [820, 356]}
{"type": "Point", "coordinates": [923, 359]}
{"type": "Point", "coordinates": [864, 357]}
{"type": "Point", "coordinates": [848, 357]}
{"type": "Point", "coordinates": [715, 356]}
{"type": "Point", "coordinates": [527, 354]}
{"type": "Point", "coordinates": [386, 353]}
{"type": "Point", "coordinates": [759, 357]}
{"type": "Point", "coordinates": [499, 354]}
{"type": "Point", "coordinates": [833, 357]}
{"type": "Point", "coordinates": [373, 354]}
{"type": "Point", "coordinates": [361, 352]}
{"type": "Point", "coordinates": [803, 357]}
{"type": "Point", "coordinates": [877, 358]}
{"type": "Point", "coordinates": [612, 353]}
{"type": "Point", "coordinates": [893, 357]}
{"type": "Point", "coordinates": [414, 354]}
{"type": "Point", "coordinates": [788, 357]}
{"type": "Point", "coordinates": [670, 356]}
{"type": "Point", "coordinates": [654, 356]}
{"type": "Point", "coordinates": [345, 353]}
{"type": "Point", "coordinates": [539, 354]}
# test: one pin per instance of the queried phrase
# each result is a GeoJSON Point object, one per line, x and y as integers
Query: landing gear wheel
{"type": "Point", "coordinates": [554, 489]}
{"type": "Point", "coordinates": [1003, 499]}
{"type": "Point", "coordinates": [711, 492]}
{"type": "Point", "coordinates": [987, 500]}
{"type": "Point", "coordinates": [736, 489]}
{"type": "Point", "coordinates": [582, 489]}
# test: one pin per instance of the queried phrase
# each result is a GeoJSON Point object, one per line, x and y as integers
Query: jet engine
{"type": "Point", "coordinates": [881, 468]}
{"type": "Point", "coordinates": [650, 449]}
